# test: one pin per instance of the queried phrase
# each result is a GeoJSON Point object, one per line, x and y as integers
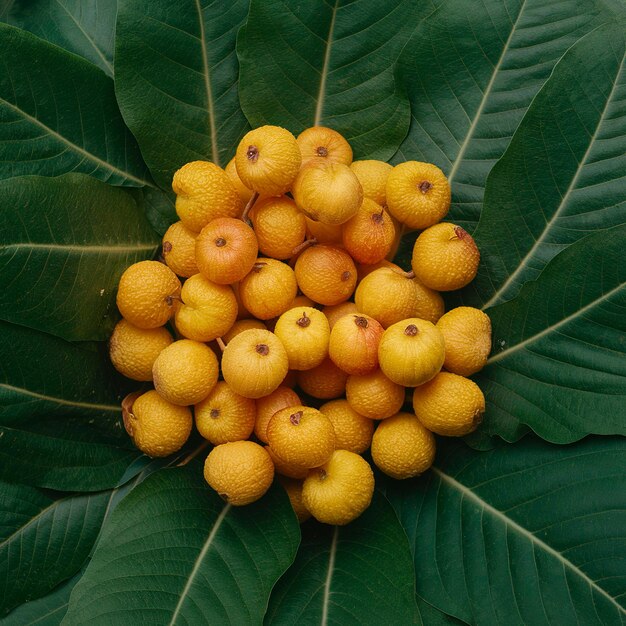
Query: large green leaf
{"type": "Point", "coordinates": [563, 175]}
{"type": "Point", "coordinates": [559, 362]}
{"type": "Point", "coordinates": [356, 574]}
{"type": "Point", "coordinates": [471, 70]}
{"type": "Point", "coordinates": [41, 375]}
{"type": "Point", "coordinates": [176, 76]}
{"type": "Point", "coordinates": [524, 534]}
{"type": "Point", "coordinates": [58, 114]}
{"type": "Point", "coordinates": [329, 63]}
{"type": "Point", "coordinates": [43, 541]}
{"type": "Point", "coordinates": [59, 268]}
{"type": "Point", "coordinates": [173, 552]}
{"type": "Point", "coordinates": [85, 27]}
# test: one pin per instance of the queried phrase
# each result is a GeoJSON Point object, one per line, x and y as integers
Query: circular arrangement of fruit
{"type": "Point", "coordinates": [284, 260]}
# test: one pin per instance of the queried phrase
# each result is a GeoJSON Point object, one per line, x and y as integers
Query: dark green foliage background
{"type": "Point", "coordinates": [522, 103]}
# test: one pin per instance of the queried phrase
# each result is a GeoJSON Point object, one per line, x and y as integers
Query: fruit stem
{"type": "Point", "coordinates": [410, 274]}
{"type": "Point", "coordinates": [253, 199]}
{"type": "Point", "coordinates": [192, 455]}
{"type": "Point", "coordinates": [221, 344]}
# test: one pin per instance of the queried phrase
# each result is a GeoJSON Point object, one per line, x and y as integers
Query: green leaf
{"type": "Point", "coordinates": [173, 551]}
{"type": "Point", "coordinates": [432, 616]}
{"type": "Point", "coordinates": [470, 71]}
{"type": "Point", "coordinates": [59, 266]}
{"type": "Point", "coordinates": [85, 28]}
{"type": "Point", "coordinates": [356, 574]}
{"type": "Point", "coordinates": [559, 361]}
{"type": "Point", "coordinates": [159, 207]}
{"type": "Point", "coordinates": [58, 114]}
{"type": "Point", "coordinates": [563, 175]}
{"type": "Point", "coordinates": [330, 64]}
{"type": "Point", "coordinates": [41, 375]}
{"type": "Point", "coordinates": [524, 534]}
{"type": "Point", "coordinates": [43, 541]}
{"type": "Point", "coordinates": [176, 76]}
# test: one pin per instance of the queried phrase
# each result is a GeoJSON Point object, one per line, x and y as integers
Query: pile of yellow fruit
{"type": "Point", "coordinates": [287, 292]}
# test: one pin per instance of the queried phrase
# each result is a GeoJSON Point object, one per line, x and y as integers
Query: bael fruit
{"type": "Point", "coordinates": [297, 472]}
{"type": "Point", "coordinates": [323, 233]}
{"type": "Point", "coordinates": [373, 176]}
{"type": "Point", "coordinates": [281, 398]}
{"type": "Point", "coordinates": [240, 325]}
{"type": "Point", "coordinates": [231, 171]}
{"type": "Point", "coordinates": [352, 431]}
{"type": "Point", "coordinates": [293, 488]}
{"type": "Point", "coordinates": [337, 311]}
{"type": "Point", "coordinates": [321, 144]}
{"type": "Point", "coordinates": [179, 250]}
{"type": "Point", "coordinates": [353, 344]}
{"type": "Point", "coordinates": [325, 382]}
{"type": "Point", "coordinates": [374, 395]}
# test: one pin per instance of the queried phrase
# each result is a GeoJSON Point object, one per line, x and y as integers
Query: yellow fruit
{"type": "Point", "coordinates": [319, 143]}
{"type": "Point", "coordinates": [402, 447]}
{"type": "Point", "coordinates": [289, 470]}
{"type": "Point", "coordinates": [353, 344]}
{"type": "Point", "coordinates": [158, 427]}
{"type": "Point", "coordinates": [365, 269]}
{"type": "Point", "coordinates": [279, 226]}
{"type": "Point", "coordinates": [418, 194]}
{"type": "Point", "coordinates": [445, 257]}
{"type": "Point", "coordinates": [340, 490]}
{"type": "Point", "coordinates": [254, 363]}
{"type": "Point", "coordinates": [204, 192]}
{"type": "Point", "coordinates": [146, 294]}
{"type": "Point", "coordinates": [449, 405]}
{"type": "Point", "coordinates": [300, 301]}
{"type": "Point", "coordinates": [411, 352]}
{"type": "Point", "coordinates": [369, 235]}
{"type": "Point", "coordinates": [268, 159]}
{"type": "Point", "coordinates": [231, 171]}
{"type": "Point", "coordinates": [323, 233]}
{"type": "Point", "coordinates": [374, 395]}
{"type": "Point", "coordinates": [179, 250]}
{"type": "Point", "coordinates": [326, 381]}
{"type": "Point", "coordinates": [373, 178]}
{"type": "Point", "coordinates": [225, 415]}
{"type": "Point", "coordinates": [294, 491]}
{"type": "Point", "coordinates": [133, 350]}
{"type": "Point", "coordinates": [240, 471]}
{"type": "Point", "coordinates": [185, 372]}
{"type": "Point", "coordinates": [240, 325]}
{"type": "Point", "coordinates": [301, 436]}
{"type": "Point", "coordinates": [207, 311]}
{"type": "Point", "coordinates": [304, 331]}
{"type": "Point", "coordinates": [281, 398]}
{"type": "Point", "coordinates": [336, 311]}
{"type": "Point", "coordinates": [269, 289]}
{"type": "Point", "coordinates": [390, 295]}
{"type": "Point", "coordinates": [467, 333]}
{"type": "Point", "coordinates": [326, 274]}
{"type": "Point", "coordinates": [352, 431]}
{"type": "Point", "coordinates": [328, 192]}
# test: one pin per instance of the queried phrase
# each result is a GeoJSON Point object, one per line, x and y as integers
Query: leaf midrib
{"type": "Point", "coordinates": [471, 495]}
{"type": "Point", "coordinates": [329, 576]}
{"type": "Point", "coordinates": [76, 248]}
{"type": "Point", "coordinates": [319, 107]}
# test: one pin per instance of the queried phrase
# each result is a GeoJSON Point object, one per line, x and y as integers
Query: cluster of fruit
{"type": "Point", "coordinates": [321, 225]}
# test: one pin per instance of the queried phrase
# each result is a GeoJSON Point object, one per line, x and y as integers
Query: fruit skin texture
{"type": "Point", "coordinates": [323, 233]}
{"type": "Point", "coordinates": [352, 431]}
{"type": "Point", "coordinates": [293, 488]}
{"type": "Point", "coordinates": [326, 381]}
{"type": "Point", "coordinates": [322, 144]}
{"type": "Point", "coordinates": [269, 289]}
{"type": "Point", "coordinates": [240, 471]}
{"type": "Point", "coordinates": [340, 490]}
{"type": "Point", "coordinates": [146, 292]}
{"type": "Point", "coordinates": [418, 194]}
{"type": "Point", "coordinates": [226, 250]}
{"type": "Point", "coordinates": [254, 363]}
{"type": "Point", "coordinates": [402, 447]}
{"type": "Point", "coordinates": [353, 344]}
{"type": "Point", "coordinates": [374, 395]}
{"type": "Point", "coordinates": [411, 352]}
{"type": "Point", "coordinates": [185, 372]}
{"type": "Point", "coordinates": [179, 250]}
{"type": "Point", "coordinates": [389, 296]}
{"type": "Point", "coordinates": [326, 274]}
{"type": "Point", "coordinates": [328, 192]}
{"type": "Point", "coordinates": [268, 159]}
{"type": "Point", "coordinates": [204, 192]}
{"type": "Point", "coordinates": [467, 333]}
{"type": "Point", "coordinates": [281, 398]}
{"type": "Point", "coordinates": [305, 333]}
{"type": "Point", "coordinates": [231, 171]}
{"type": "Point", "coordinates": [207, 311]}
{"type": "Point", "coordinates": [240, 325]}
{"type": "Point", "coordinates": [301, 436]}
{"type": "Point", "coordinates": [449, 405]}
{"type": "Point", "coordinates": [336, 312]}
{"type": "Point", "coordinates": [445, 257]}
{"type": "Point", "coordinates": [158, 427]}
{"type": "Point", "coordinates": [224, 415]}
{"type": "Point", "coordinates": [373, 176]}
{"type": "Point", "coordinates": [298, 472]}
{"type": "Point", "coordinates": [133, 350]}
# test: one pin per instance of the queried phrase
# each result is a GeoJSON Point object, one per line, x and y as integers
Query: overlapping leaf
{"type": "Point", "coordinates": [524, 534]}
{"type": "Point", "coordinates": [176, 76]}
{"type": "Point", "coordinates": [355, 574]}
{"type": "Point", "coordinates": [329, 63]}
{"type": "Point", "coordinates": [58, 266]}
{"type": "Point", "coordinates": [174, 552]}
{"type": "Point", "coordinates": [470, 71]}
